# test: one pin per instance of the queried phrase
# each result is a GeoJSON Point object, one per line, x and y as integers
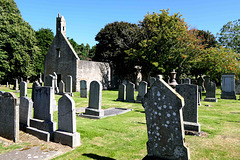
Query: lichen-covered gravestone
{"type": "Point", "coordinates": [163, 109]}
{"type": "Point", "coordinates": [121, 92]}
{"type": "Point", "coordinates": [67, 132]}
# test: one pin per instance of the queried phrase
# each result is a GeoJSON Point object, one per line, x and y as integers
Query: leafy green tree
{"type": "Point", "coordinates": [113, 40]}
{"type": "Point", "coordinates": [18, 44]}
{"type": "Point", "coordinates": [44, 40]}
{"type": "Point", "coordinates": [230, 35]}
{"type": "Point", "coordinates": [206, 38]}
{"type": "Point", "coordinates": [166, 44]}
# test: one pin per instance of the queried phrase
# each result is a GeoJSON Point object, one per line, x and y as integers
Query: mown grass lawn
{"type": "Point", "coordinates": [124, 136]}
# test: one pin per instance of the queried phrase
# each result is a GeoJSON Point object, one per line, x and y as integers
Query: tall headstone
{"type": "Point", "coordinates": [190, 111]}
{"type": "Point", "coordinates": [238, 87]}
{"type": "Point", "coordinates": [34, 85]}
{"type": "Point", "coordinates": [67, 132]}
{"type": "Point", "coordinates": [9, 116]}
{"type": "Point", "coordinates": [142, 90]}
{"type": "Point", "coordinates": [152, 80]}
{"type": "Point", "coordinates": [23, 89]}
{"type": "Point", "coordinates": [206, 80]}
{"type": "Point", "coordinates": [94, 108]}
{"type": "Point", "coordinates": [55, 82]}
{"type": "Point", "coordinates": [40, 79]}
{"type": "Point", "coordinates": [42, 124]}
{"type": "Point", "coordinates": [61, 87]}
{"type": "Point", "coordinates": [49, 81]}
{"type": "Point", "coordinates": [83, 89]}
{"type": "Point", "coordinates": [25, 109]}
{"type": "Point", "coordinates": [201, 83]}
{"type": "Point", "coordinates": [210, 92]}
{"type": "Point", "coordinates": [121, 92]}
{"type": "Point", "coordinates": [163, 109]}
{"type": "Point", "coordinates": [228, 86]}
{"type": "Point", "coordinates": [69, 85]}
{"type": "Point", "coordinates": [16, 84]}
{"type": "Point", "coordinates": [130, 92]}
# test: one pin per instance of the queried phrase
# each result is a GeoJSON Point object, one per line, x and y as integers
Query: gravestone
{"type": "Point", "coordinates": [228, 86]}
{"type": "Point", "coordinates": [55, 82]}
{"type": "Point", "coordinates": [163, 110]}
{"type": "Point", "coordinates": [206, 80]}
{"type": "Point", "coordinates": [238, 87]}
{"type": "Point", "coordinates": [83, 89]}
{"type": "Point", "coordinates": [69, 85]}
{"type": "Point", "coordinates": [187, 81]}
{"type": "Point", "coordinates": [25, 109]}
{"type": "Point", "coordinates": [61, 87]}
{"type": "Point", "coordinates": [152, 80]}
{"type": "Point", "coordinates": [210, 92]}
{"type": "Point", "coordinates": [40, 79]}
{"type": "Point", "coordinates": [34, 85]}
{"type": "Point", "coordinates": [121, 92]}
{"type": "Point", "coordinates": [67, 132]}
{"type": "Point", "coordinates": [16, 84]}
{"type": "Point", "coordinates": [95, 100]}
{"type": "Point", "coordinates": [23, 89]}
{"type": "Point", "coordinates": [142, 90]}
{"type": "Point", "coordinates": [9, 116]}
{"type": "Point", "coordinates": [49, 81]}
{"type": "Point", "coordinates": [7, 84]}
{"type": "Point", "coordinates": [130, 92]}
{"type": "Point", "coordinates": [201, 83]}
{"type": "Point", "coordinates": [190, 110]}
{"type": "Point", "coordinates": [42, 124]}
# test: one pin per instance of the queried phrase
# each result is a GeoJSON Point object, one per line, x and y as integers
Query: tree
{"type": "Point", "coordinates": [230, 35]}
{"type": "Point", "coordinates": [44, 40]}
{"type": "Point", "coordinates": [166, 44]}
{"type": "Point", "coordinates": [207, 39]}
{"type": "Point", "coordinates": [113, 40]}
{"type": "Point", "coordinates": [18, 45]}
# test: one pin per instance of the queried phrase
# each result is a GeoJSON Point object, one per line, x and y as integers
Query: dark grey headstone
{"type": "Point", "coordinates": [83, 89]}
{"type": "Point", "coordinates": [69, 85]}
{"type": "Point", "coordinates": [152, 80]}
{"type": "Point", "coordinates": [187, 81]}
{"type": "Point", "coordinates": [25, 108]}
{"type": "Point", "coordinates": [190, 110]}
{"type": "Point", "coordinates": [142, 90]}
{"type": "Point", "coordinates": [61, 87]}
{"type": "Point", "coordinates": [228, 86]}
{"type": "Point", "coordinates": [49, 81]}
{"type": "Point", "coordinates": [130, 92]}
{"type": "Point", "coordinates": [9, 116]}
{"type": "Point", "coordinates": [163, 109]}
{"type": "Point", "coordinates": [23, 89]}
{"type": "Point", "coordinates": [121, 92]}
{"type": "Point", "coordinates": [34, 85]}
{"type": "Point", "coordinates": [210, 92]}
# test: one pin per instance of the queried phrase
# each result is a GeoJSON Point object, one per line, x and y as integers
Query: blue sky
{"type": "Point", "coordinates": [86, 18]}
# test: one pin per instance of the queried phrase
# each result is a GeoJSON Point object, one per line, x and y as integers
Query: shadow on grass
{"type": "Point", "coordinates": [94, 156]}
{"type": "Point", "coordinates": [140, 111]}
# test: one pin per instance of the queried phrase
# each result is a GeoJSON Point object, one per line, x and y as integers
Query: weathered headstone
{"type": "Point", "coordinates": [190, 110]}
{"type": "Point", "coordinates": [55, 82]}
{"type": "Point", "coordinates": [61, 87]}
{"type": "Point", "coordinates": [16, 84]}
{"type": "Point", "coordinates": [83, 89]}
{"type": "Point", "coordinates": [163, 109]}
{"type": "Point", "coordinates": [49, 81]}
{"type": "Point", "coordinates": [67, 132]}
{"type": "Point", "coordinates": [69, 85]}
{"type": "Point", "coordinates": [35, 84]}
{"type": "Point", "coordinates": [42, 124]}
{"type": "Point", "coordinates": [142, 90]}
{"type": "Point", "coordinates": [228, 86]}
{"type": "Point", "coordinates": [187, 81]}
{"type": "Point", "coordinates": [23, 89]}
{"type": "Point", "coordinates": [121, 92]}
{"type": "Point", "coordinates": [210, 92]}
{"type": "Point", "coordinates": [9, 116]}
{"type": "Point", "coordinates": [95, 100]}
{"type": "Point", "coordinates": [40, 79]}
{"type": "Point", "coordinates": [152, 80]}
{"type": "Point", "coordinates": [130, 92]}
{"type": "Point", "coordinates": [25, 109]}
{"type": "Point", "coordinates": [206, 80]}
{"type": "Point", "coordinates": [238, 87]}
{"type": "Point", "coordinates": [201, 82]}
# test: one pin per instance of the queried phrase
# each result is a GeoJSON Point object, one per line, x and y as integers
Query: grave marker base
{"type": "Point", "coordinates": [190, 126]}
{"type": "Point", "coordinates": [210, 99]}
{"type": "Point", "coordinates": [70, 139]}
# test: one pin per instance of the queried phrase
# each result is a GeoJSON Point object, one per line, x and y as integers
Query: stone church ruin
{"type": "Point", "coordinates": [62, 59]}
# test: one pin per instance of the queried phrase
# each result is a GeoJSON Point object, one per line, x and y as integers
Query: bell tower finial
{"type": "Point", "coordinates": [61, 25]}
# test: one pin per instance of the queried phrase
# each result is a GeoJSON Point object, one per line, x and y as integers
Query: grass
{"type": "Point", "coordinates": [124, 136]}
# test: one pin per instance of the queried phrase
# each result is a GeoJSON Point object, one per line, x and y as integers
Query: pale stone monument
{"type": "Point", "coordinates": [228, 86]}
{"type": "Point", "coordinates": [67, 132]}
{"type": "Point", "coordinates": [121, 92]}
{"type": "Point", "coordinates": [95, 101]}
{"type": "Point", "coordinates": [83, 89]}
{"type": "Point", "coordinates": [9, 116]}
{"type": "Point", "coordinates": [142, 90]}
{"type": "Point", "coordinates": [130, 92]}
{"type": "Point", "coordinates": [16, 84]}
{"type": "Point", "coordinates": [190, 110]}
{"type": "Point", "coordinates": [163, 109]}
